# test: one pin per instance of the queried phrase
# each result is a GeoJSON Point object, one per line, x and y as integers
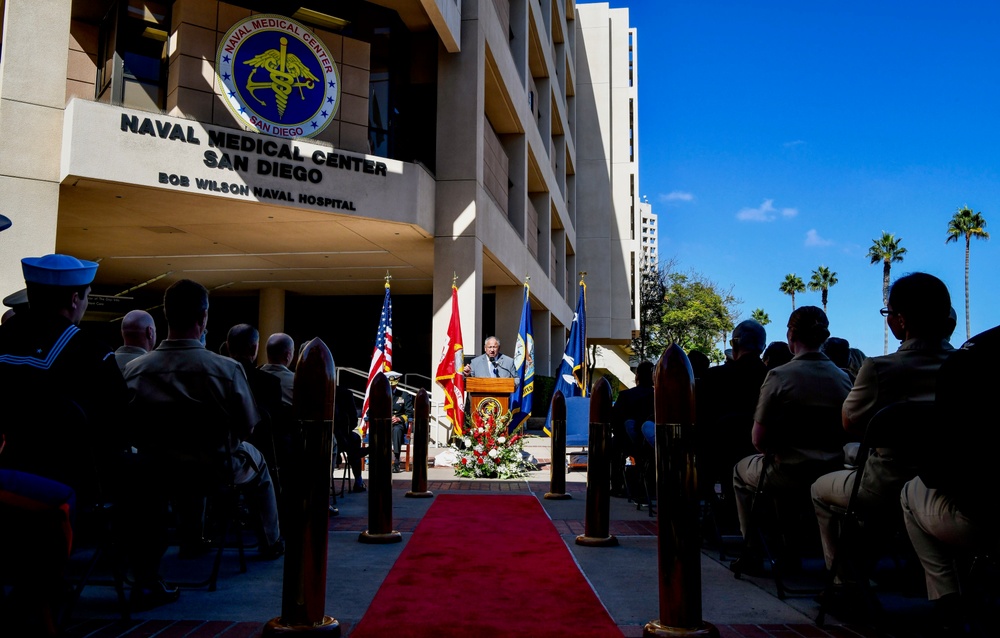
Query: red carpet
{"type": "Point", "coordinates": [485, 566]}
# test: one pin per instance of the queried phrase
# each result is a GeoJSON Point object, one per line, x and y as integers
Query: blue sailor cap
{"type": "Point", "coordinates": [4, 222]}
{"type": "Point", "coordinates": [58, 270]}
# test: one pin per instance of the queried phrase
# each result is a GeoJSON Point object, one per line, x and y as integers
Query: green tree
{"type": "Point", "coordinates": [791, 285]}
{"type": "Point", "coordinates": [968, 224]}
{"type": "Point", "coordinates": [652, 290]}
{"type": "Point", "coordinates": [822, 279]}
{"type": "Point", "coordinates": [760, 316]}
{"type": "Point", "coordinates": [697, 314]}
{"type": "Point", "coordinates": [686, 309]}
{"type": "Point", "coordinates": [886, 249]}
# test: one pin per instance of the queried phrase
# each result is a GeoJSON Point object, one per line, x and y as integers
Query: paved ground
{"type": "Point", "coordinates": [624, 577]}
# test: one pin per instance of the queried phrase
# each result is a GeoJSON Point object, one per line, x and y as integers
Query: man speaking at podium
{"type": "Point", "coordinates": [491, 363]}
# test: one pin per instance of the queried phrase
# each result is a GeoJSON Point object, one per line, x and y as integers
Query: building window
{"type": "Point", "coordinates": [132, 67]}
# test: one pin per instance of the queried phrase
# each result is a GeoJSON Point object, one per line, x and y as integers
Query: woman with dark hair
{"type": "Point", "coordinates": [797, 421]}
{"type": "Point", "coordinates": [776, 354]}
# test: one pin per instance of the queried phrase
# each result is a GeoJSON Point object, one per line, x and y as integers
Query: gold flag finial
{"type": "Point", "coordinates": [454, 278]}
{"type": "Point", "coordinates": [387, 278]}
{"type": "Point", "coordinates": [527, 278]}
{"type": "Point", "coordinates": [583, 273]}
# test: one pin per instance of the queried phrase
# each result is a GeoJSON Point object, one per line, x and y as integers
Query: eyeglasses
{"type": "Point", "coordinates": [885, 312]}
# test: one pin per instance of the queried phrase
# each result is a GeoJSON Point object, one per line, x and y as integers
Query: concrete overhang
{"type": "Point", "coordinates": [144, 194]}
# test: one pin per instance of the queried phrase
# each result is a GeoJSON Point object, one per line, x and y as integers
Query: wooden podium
{"type": "Point", "coordinates": [481, 388]}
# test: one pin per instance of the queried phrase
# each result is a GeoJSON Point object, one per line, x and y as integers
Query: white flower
{"type": "Point", "coordinates": [494, 453]}
{"type": "Point", "coordinates": [468, 441]}
{"type": "Point", "coordinates": [501, 440]}
{"type": "Point", "coordinates": [479, 448]}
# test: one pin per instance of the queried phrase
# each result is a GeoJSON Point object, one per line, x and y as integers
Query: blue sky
{"type": "Point", "coordinates": [775, 137]}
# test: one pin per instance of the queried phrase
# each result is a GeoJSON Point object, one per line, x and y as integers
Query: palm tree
{"type": "Point", "coordinates": [822, 279]}
{"type": "Point", "coordinates": [886, 249]}
{"type": "Point", "coordinates": [791, 285]}
{"type": "Point", "coordinates": [760, 316]}
{"type": "Point", "coordinates": [970, 224]}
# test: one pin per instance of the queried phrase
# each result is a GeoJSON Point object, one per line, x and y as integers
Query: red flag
{"type": "Point", "coordinates": [381, 356]}
{"type": "Point", "coordinates": [449, 370]}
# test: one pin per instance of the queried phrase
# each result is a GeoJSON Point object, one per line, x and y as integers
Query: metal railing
{"type": "Point", "coordinates": [440, 426]}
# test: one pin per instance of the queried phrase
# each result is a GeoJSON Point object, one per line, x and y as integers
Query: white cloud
{"type": "Point", "coordinates": [766, 212]}
{"type": "Point", "coordinates": [813, 239]}
{"type": "Point", "coordinates": [676, 196]}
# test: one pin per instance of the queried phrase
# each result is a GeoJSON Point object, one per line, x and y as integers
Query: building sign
{"type": "Point", "coordinates": [278, 76]}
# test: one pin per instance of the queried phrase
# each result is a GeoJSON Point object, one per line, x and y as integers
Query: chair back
{"type": "Point", "coordinates": [905, 427]}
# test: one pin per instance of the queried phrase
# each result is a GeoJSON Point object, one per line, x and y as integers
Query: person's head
{"type": "Point", "coordinates": [749, 338]}
{"type": "Point", "coordinates": [139, 329]}
{"type": "Point", "coordinates": [729, 355]}
{"type": "Point", "coordinates": [919, 305]}
{"type": "Point", "coordinates": [280, 349]}
{"type": "Point", "coordinates": [492, 347]}
{"type": "Point", "coordinates": [855, 359]}
{"type": "Point", "coordinates": [185, 305]}
{"type": "Point", "coordinates": [59, 284]}
{"type": "Point", "coordinates": [838, 350]}
{"type": "Point", "coordinates": [644, 374]}
{"type": "Point", "coordinates": [699, 363]}
{"type": "Point", "coordinates": [16, 302]}
{"type": "Point", "coordinates": [243, 340]}
{"type": "Point", "coordinates": [393, 378]}
{"type": "Point", "coordinates": [6, 316]}
{"type": "Point", "coordinates": [808, 328]}
{"type": "Point", "coordinates": [952, 322]}
{"type": "Point", "coordinates": [776, 354]}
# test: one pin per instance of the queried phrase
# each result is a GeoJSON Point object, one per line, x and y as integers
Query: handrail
{"type": "Point", "coordinates": [438, 421]}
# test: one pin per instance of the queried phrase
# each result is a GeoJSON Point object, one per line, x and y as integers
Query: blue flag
{"type": "Point", "coordinates": [571, 378]}
{"type": "Point", "coordinates": [524, 368]}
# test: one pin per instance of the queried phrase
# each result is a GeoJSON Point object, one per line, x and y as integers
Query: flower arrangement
{"type": "Point", "coordinates": [487, 449]}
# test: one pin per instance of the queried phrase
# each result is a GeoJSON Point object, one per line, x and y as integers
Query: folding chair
{"type": "Point", "coordinates": [756, 532]}
{"type": "Point", "coordinates": [906, 428]}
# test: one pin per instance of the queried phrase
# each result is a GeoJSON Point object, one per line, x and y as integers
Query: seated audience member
{"type": "Point", "coordinates": [631, 410]}
{"type": "Point", "coordinates": [839, 351]}
{"type": "Point", "coordinates": [280, 349]}
{"type": "Point", "coordinates": [776, 354]}
{"type": "Point", "coordinates": [64, 399]}
{"type": "Point", "coordinates": [918, 316]}
{"type": "Point", "coordinates": [243, 343]}
{"type": "Point", "coordinates": [700, 363]}
{"type": "Point", "coordinates": [796, 421]}
{"type": "Point", "coordinates": [950, 509]}
{"type": "Point", "coordinates": [345, 422]}
{"type": "Point", "coordinates": [209, 393]}
{"type": "Point", "coordinates": [138, 335]}
{"type": "Point", "coordinates": [727, 398]}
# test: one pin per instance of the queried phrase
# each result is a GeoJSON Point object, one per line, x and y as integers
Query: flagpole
{"type": "Point", "coordinates": [583, 291]}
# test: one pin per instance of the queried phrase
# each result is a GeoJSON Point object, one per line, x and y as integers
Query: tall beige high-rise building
{"type": "Point", "coordinates": [291, 160]}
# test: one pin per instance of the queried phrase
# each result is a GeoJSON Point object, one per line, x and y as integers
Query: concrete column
{"type": "Point", "coordinates": [32, 101]}
{"type": "Point", "coordinates": [461, 257]}
{"type": "Point", "coordinates": [540, 320]}
{"type": "Point", "coordinates": [270, 317]}
{"type": "Point", "coordinates": [508, 316]}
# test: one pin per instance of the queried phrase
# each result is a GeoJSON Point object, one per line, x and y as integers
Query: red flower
{"type": "Point", "coordinates": [465, 461]}
{"type": "Point", "coordinates": [479, 460]}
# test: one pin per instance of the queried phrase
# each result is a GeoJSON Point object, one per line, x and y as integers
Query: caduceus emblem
{"type": "Point", "coordinates": [286, 71]}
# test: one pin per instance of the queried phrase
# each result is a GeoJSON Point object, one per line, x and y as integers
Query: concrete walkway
{"type": "Point", "coordinates": [624, 577]}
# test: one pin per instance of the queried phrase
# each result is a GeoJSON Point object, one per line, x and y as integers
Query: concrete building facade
{"type": "Point", "coordinates": [485, 142]}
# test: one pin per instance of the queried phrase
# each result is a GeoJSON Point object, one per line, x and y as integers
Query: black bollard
{"type": "Point", "coordinates": [418, 446]}
{"type": "Point", "coordinates": [557, 473]}
{"type": "Point", "coordinates": [598, 514]}
{"type": "Point", "coordinates": [678, 538]}
{"type": "Point", "coordinates": [303, 591]}
{"type": "Point", "coordinates": [380, 530]}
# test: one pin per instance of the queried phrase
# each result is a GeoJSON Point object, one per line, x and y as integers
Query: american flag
{"type": "Point", "coordinates": [381, 356]}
